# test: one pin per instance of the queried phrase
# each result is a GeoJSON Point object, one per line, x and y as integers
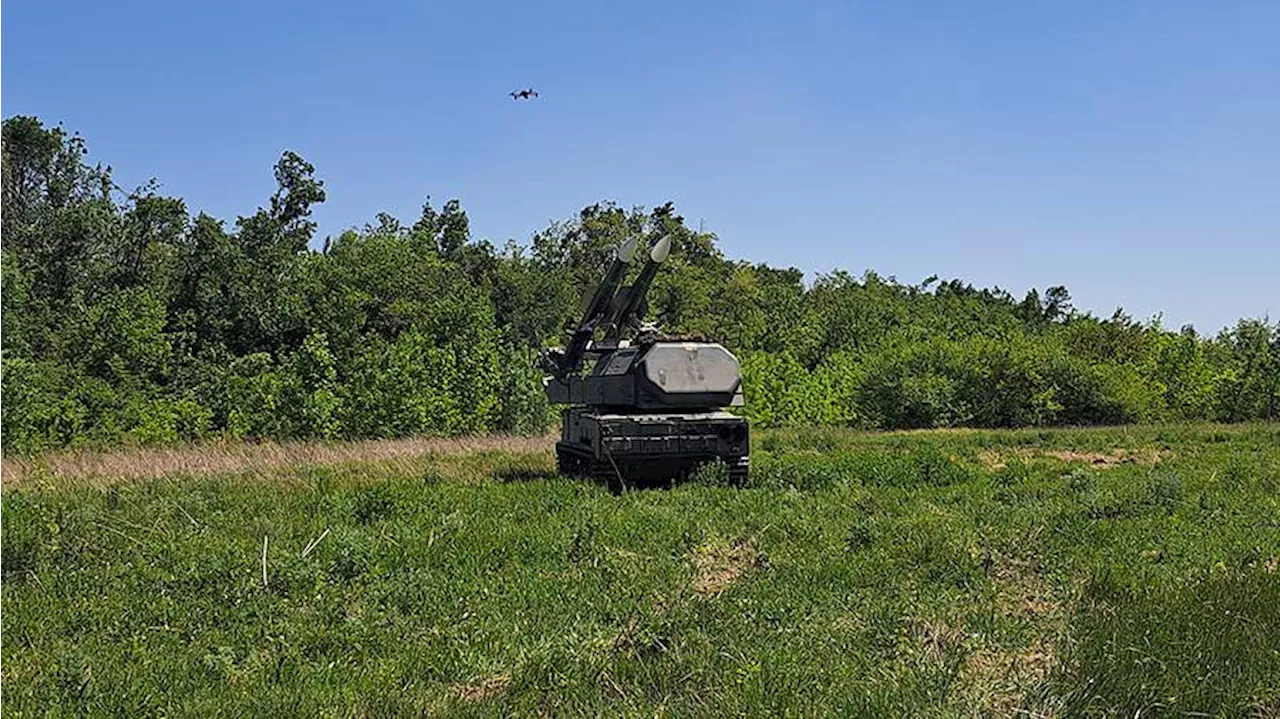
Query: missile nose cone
{"type": "Point", "coordinates": [661, 250]}
{"type": "Point", "coordinates": [627, 250]}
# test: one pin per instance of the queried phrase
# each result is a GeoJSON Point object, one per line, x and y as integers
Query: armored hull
{"type": "Point", "coordinates": [650, 447]}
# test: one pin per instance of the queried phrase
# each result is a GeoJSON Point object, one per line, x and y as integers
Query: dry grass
{"type": "Point", "coordinates": [717, 565]}
{"type": "Point", "coordinates": [935, 640]}
{"type": "Point", "coordinates": [998, 682]}
{"type": "Point", "coordinates": [485, 688]}
{"type": "Point", "coordinates": [233, 457]}
{"type": "Point", "coordinates": [994, 460]}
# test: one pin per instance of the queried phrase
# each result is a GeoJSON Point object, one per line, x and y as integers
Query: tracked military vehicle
{"type": "Point", "coordinates": [642, 408]}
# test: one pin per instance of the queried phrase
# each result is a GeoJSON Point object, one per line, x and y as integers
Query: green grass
{"type": "Point", "coordinates": [912, 574]}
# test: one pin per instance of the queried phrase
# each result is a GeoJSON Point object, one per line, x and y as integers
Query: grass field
{"type": "Point", "coordinates": [1100, 572]}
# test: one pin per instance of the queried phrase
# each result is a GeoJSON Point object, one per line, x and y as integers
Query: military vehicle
{"type": "Point", "coordinates": [642, 407]}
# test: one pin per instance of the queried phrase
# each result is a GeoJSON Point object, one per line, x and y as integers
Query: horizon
{"type": "Point", "coordinates": [1127, 154]}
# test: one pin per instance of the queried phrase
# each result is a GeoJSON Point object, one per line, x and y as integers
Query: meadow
{"type": "Point", "coordinates": [1130, 571]}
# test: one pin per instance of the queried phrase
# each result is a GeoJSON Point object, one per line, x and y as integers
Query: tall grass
{"type": "Point", "coordinates": [857, 575]}
{"type": "Point", "coordinates": [217, 457]}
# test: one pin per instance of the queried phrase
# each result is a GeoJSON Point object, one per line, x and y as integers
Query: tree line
{"type": "Point", "coordinates": [128, 320]}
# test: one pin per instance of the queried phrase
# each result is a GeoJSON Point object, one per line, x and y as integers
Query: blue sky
{"type": "Point", "coordinates": [1130, 151]}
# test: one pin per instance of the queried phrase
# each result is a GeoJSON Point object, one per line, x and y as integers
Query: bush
{"type": "Point", "coordinates": [913, 386]}
{"type": "Point", "coordinates": [522, 405]}
{"type": "Point", "coordinates": [777, 391]}
{"type": "Point", "coordinates": [415, 386]}
{"type": "Point", "coordinates": [256, 398]}
{"type": "Point", "coordinates": [18, 430]}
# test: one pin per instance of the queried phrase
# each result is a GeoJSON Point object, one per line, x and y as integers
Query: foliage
{"type": "Point", "coordinates": [126, 320]}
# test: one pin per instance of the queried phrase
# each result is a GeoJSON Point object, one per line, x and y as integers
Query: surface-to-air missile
{"type": "Point", "coordinates": [643, 408]}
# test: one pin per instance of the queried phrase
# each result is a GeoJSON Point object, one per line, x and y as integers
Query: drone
{"type": "Point", "coordinates": [523, 94]}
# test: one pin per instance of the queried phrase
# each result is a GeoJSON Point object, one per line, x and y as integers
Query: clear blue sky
{"type": "Point", "coordinates": [1130, 151]}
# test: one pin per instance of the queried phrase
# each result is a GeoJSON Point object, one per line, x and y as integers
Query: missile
{"type": "Point", "coordinates": [609, 285]}
{"type": "Point", "coordinates": [661, 250]}
{"type": "Point", "coordinates": [599, 303]}
{"type": "Point", "coordinates": [627, 250]}
{"type": "Point", "coordinates": [638, 290]}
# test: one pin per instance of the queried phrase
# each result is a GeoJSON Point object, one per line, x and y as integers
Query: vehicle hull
{"type": "Point", "coordinates": [639, 449]}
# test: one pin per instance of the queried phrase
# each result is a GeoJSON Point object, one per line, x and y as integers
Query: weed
{"type": "Point", "coordinates": [1013, 473]}
{"type": "Point", "coordinates": [347, 566]}
{"type": "Point", "coordinates": [1081, 479]}
{"type": "Point", "coordinates": [582, 544]}
{"type": "Point", "coordinates": [19, 557]}
{"type": "Point", "coordinates": [111, 498]}
{"type": "Point", "coordinates": [711, 474]}
{"type": "Point", "coordinates": [22, 539]}
{"type": "Point", "coordinates": [522, 468]}
{"type": "Point", "coordinates": [372, 504]}
{"type": "Point", "coordinates": [936, 468]}
{"type": "Point", "coordinates": [1166, 489]}
{"type": "Point", "coordinates": [859, 536]}
{"type": "Point", "coordinates": [931, 550]}
{"type": "Point", "coordinates": [1240, 472]}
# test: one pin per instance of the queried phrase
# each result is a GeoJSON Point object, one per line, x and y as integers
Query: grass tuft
{"type": "Point", "coordinates": [1207, 646]}
{"type": "Point", "coordinates": [372, 504]}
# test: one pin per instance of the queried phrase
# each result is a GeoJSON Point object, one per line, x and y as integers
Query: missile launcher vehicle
{"type": "Point", "coordinates": [643, 408]}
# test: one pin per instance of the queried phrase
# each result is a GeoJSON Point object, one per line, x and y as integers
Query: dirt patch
{"type": "Point", "coordinates": [1112, 459]}
{"type": "Point", "coordinates": [1262, 710]}
{"type": "Point", "coordinates": [998, 681]}
{"type": "Point", "coordinates": [1035, 607]}
{"type": "Point", "coordinates": [937, 640]}
{"type": "Point", "coordinates": [482, 689]}
{"type": "Point", "coordinates": [230, 457]}
{"type": "Point", "coordinates": [1034, 661]}
{"type": "Point", "coordinates": [630, 555]}
{"type": "Point", "coordinates": [1027, 596]}
{"type": "Point", "coordinates": [717, 565]}
{"type": "Point", "coordinates": [1001, 681]}
{"type": "Point", "coordinates": [1021, 589]}
{"type": "Point", "coordinates": [993, 460]}
{"type": "Point", "coordinates": [1270, 566]}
